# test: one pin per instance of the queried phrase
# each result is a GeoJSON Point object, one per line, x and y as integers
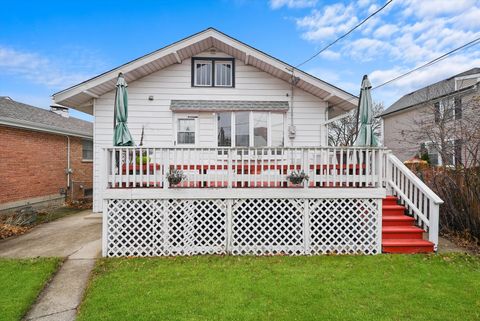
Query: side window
{"type": "Point", "coordinates": [186, 131]}
{"type": "Point", "coordinates": [87, 150]}
{"type": "Point", "coordinates": [432, 153]}
{"type": "Point", "coordinates": [458, 107]}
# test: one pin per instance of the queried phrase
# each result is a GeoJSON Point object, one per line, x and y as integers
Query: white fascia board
{"type": "Point", "coordinates": [112, 74]}
{"type": "Point", "coordinates": [214, 193]}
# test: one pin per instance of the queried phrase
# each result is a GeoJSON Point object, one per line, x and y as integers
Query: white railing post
{"type": "Point", "coordinates": [230, 169]}
{"type": "Point", "coordinates": [165, 166]}
{"type": "Point", "coordinates": [306, 227]}
{"type": "Point", "coordinates": [104, 227]}
{"type": "Point", "coordinates": [434, 224]}
{"type": "Point", "coordinates": [228, 230]}
{"type": "Point", "coordinates": [379, 226]}
{"type": "Point", "coordinates": [104, 169]}
{"type": "Point", "coordinates": [305, 166]}
{"type": "Point", "coordinates": [379, 168]}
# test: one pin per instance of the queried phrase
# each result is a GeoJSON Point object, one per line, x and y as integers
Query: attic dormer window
{"type": "Point", "coordinates": [213, 72]}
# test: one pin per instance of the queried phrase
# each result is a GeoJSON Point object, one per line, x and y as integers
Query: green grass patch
{"type": "Point", "coordinates": [21, 280]}
{"type": "Point", "coordinates": [384, 287]}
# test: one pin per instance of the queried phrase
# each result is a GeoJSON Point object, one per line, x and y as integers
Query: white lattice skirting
{"type": "Point", "coordinates": [158, 227]}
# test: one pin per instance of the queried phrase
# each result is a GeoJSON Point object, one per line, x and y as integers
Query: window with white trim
{"type": "Point", "coordinates": [213, 72]}
{"type": "Point", "coordinates": [451, 149]}
{"type": "Point", "coordinates": [223, 73]}
{"type": "Point", "coordinates": [186, 131]}
{"type": "Point", "coordinates": [87, 150]}
{"type": "Point", "coordinates": [203, 73]}
{"type": "Point", "coordinates": [250, 129]}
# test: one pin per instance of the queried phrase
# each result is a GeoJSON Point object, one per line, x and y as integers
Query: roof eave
{"type": "Point", "coordinates": [61, 97]}
{"type": "Point", "coordinates": [42, 128]}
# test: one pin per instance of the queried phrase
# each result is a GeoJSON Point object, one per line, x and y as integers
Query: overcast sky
{"type": "Point", "coordinates": [46, 46]}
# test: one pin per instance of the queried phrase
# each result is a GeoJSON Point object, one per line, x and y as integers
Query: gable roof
{"type": "Point", "coordinates": [17, 114]}
{"type": "Point", "coordinates": [81, 96]}
{"type": "Point", "coordinates": [436, 90]}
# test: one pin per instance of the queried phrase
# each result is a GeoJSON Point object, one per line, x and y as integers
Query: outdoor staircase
{"type": "Point", "coordinates": [399, 233]}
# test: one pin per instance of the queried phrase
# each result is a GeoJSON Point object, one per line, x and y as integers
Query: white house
{"type": "Point", "coordinates": [237, 123]}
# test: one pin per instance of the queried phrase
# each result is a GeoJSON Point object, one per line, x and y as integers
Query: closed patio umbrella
{"type": "Point", "coordinates": [121, 134]}
{"type": "Point", "coordinates": [365, 135]}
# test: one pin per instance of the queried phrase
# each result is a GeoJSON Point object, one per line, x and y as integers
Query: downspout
{"type": "Point", "coordinates": [68, 170]}
{"type": "Point", "coordinates": [292, 132]}
{"type": "Point", "coordinates": [325, 124]}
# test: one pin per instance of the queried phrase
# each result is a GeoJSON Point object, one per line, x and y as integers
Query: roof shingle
{"type": "Point", "coordinates": [19, 114]}
{"type": "Point", "coordinates": [219, 105]}
{"type": "Point", "coordinates": [427, 93]}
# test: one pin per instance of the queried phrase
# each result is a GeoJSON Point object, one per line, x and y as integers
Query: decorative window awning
{"type": "Point", "coordinates": [227, 105]}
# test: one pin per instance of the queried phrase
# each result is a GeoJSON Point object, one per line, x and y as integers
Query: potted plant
{"type": "Point", "coordinates": [297, 177]}
{"type": "Point", "coordinates": [143, 159]}
{"type": "Point", "coordinates": [175, 177]}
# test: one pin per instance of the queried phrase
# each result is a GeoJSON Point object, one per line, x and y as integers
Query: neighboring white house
{"type": "Point", "coordinates": [229, 116]}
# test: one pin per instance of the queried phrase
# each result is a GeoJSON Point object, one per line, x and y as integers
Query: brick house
{"type": "Point", "coordinates": [46, 156]}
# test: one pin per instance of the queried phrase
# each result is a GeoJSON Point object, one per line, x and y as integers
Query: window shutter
{"type": "Point", "coordinates": [458, 152]}
{"type": "Point", "coordinates": [437, 112]}
{"type": "Point", "coordinates": [458, 108]}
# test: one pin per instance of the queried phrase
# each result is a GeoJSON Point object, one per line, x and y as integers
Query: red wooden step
{"type": "Point", "coordinates": [393, 210]}
{"type": "Point", "coordinates": [390, 200]}
{"type": "Point", "coordinates": [397, 220]}
{"type": "Point", "coordinates": [406, 246]}
{"type": "Point", "coordinates": [402, 232]}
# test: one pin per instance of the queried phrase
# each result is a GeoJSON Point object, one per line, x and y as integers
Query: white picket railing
{"type": "Point", "coordinates": [221, 167]}
{"type": "Point", "coordinates": [421, 202]}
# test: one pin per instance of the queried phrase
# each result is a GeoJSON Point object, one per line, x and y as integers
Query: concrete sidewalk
{"type": "Point", "coordinates": [61, 238]}
{"type": "Point", "coordinates": [76, 238]}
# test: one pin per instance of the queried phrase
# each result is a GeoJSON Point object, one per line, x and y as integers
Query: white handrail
{"type": "Point", "coordinates": [421, 202]}
{"type": "Point", "coordinates": [231, 167]}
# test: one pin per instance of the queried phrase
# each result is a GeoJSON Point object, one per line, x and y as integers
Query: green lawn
{"type": "Point", "coordinates": [20, 283]}
{"type": "Point", "coordinates": [384, 287]}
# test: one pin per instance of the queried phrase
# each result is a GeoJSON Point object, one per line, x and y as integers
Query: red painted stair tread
{"type": "Point", "coordinates": [397, 220]}
{"type": "Point", "coordinates": [407, 246]}
{"type": "Point", "coordinates": [399, 233]}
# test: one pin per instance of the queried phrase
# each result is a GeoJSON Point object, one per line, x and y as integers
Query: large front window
{"type": "Point", "coordinates": [250, 129]}
{"type": "Point", "coordinates": [242, 129]}
{"type": "Point", "coordinates": [224, 121]}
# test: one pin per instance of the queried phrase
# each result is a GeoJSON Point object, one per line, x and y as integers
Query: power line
{"type": "Point", "coordinates": [427, 64]}
{"type": "Point", "coordinates": [346, 34]}
{"type": "Point", "coordinates": [431, 62]}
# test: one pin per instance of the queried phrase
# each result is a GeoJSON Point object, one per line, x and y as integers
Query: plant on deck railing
{"type": "Point", "coordinates": [175, 177]}
{"type": "Point", "coordinates": [297, 177]}
{"type": "Point", "coordinates": [143, 159]}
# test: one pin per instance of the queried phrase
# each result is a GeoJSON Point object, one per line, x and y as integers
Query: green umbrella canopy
{"type": "Point", "coordinates": [365, 135]}
{"type": "Point", "coordinates": [121, 134]}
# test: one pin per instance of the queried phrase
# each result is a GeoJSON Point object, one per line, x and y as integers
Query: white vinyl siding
{"type": "Point", "coordinates": [174, 82]}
